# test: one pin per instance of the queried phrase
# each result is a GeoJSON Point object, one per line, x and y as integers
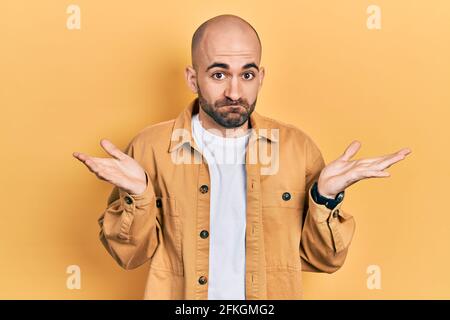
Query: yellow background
{"type": "Point", "coordinates": [327, 73]}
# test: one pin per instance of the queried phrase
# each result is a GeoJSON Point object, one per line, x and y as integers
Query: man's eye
{"type": "Point", "coordinates": [248, 76]}
{"type": "Point", "coordinates": [218, 76]}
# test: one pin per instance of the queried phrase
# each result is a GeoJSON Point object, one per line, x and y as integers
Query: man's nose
{"type": "Point", "coordinates": [233, 90]}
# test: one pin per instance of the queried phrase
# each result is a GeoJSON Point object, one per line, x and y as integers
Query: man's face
{"type": "Point", "coordinates": [228, 77]}
{"type": "Point", "coordinates": [228, 89]}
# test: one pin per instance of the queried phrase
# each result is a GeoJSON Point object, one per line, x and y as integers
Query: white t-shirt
{"type": "Point", "coordinates": [226, 163]}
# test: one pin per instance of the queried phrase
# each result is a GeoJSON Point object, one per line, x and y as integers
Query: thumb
{"type": "Point", "coordinates": [351, 150]}
{"type": "Point", "coordinates": [111, 149]}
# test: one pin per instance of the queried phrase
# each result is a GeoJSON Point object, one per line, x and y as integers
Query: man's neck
{"type": "Point", "coordinates": [208, 123]}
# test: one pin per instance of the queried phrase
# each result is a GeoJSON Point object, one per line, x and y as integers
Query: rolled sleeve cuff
{"type": "Point", "coordinates": [131, 201]}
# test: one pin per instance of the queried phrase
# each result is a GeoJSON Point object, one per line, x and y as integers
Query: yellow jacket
{"type": "Point", "coordinates": [285, 235]}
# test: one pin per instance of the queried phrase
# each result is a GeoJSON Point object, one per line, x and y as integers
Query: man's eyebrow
{"type": "Point", "coordinates": [226, 66]}
{"type": "Point", "coordinates": [250, 65]}
{"type": "Point", "coordinates": [218, 65]}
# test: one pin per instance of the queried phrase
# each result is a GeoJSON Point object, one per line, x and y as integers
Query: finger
{"type": "Point", "coordinates": [88, 161]}
{"type": "Point", "coordinates": [375, 174]}
{"type": "Point", "coordinates": [357, 175]}
{"type": "Point", "coordinates": [351, 150]}
{"type": "Point", "coordinates": [404, 151]}
{"type": "Point", "coordinates": [375, 159]}
{"type": "Point", "coordinates": [372, 160]}
{"type": "Point", "coordinates": [92, 165]}
{"type": "Point", "coordinates": [390, 161]}
{"type": "Point", "coordinates": [80, 156]}
{"type": "Point", "coordinates": [112, 150]}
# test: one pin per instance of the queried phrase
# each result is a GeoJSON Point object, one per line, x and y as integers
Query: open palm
{"type": "Point", "coordinates": [343, 172]}
{"type": "Point", "coordinates": [121, 170]}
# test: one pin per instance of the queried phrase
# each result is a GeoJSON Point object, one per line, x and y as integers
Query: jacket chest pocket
{"type": "Point", "coordinates": [282, 213]}
{"type": "Point", "coordinates": [169, 255]}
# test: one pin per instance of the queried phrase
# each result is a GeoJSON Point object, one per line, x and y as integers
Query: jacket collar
{"type": "Point", "coordinates": [183, 127]}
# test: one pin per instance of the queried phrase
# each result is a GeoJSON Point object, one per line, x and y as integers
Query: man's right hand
{"type": "Point", "coordinates": [121, 170]}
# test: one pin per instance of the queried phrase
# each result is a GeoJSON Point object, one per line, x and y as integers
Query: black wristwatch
{"type": "Point", "coordinates": [328, 202]}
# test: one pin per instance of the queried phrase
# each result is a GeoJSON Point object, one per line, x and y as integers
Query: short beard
{"type": "Point", "coordinates": [222, 117]}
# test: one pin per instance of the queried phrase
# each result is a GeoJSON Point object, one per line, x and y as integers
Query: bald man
{"type": "Point", "coordinates": [223, 202]}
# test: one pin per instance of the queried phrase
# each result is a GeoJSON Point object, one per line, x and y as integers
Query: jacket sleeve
{"type": "Point", "coordinates": [326, 234]}
{"type": "Point", "coordinates": [128, 226]}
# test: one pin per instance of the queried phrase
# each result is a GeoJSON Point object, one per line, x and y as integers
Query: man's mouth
{"type": "Point", "coordinates": [234, 108]}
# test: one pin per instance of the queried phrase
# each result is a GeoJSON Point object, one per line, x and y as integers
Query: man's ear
{"type": "Point", "coordinates": [262, 73]}
{"type": "Point", "coordinates": [191, 78]}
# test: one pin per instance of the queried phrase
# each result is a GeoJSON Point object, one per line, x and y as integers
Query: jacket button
{"type": "Point", "coordinates": [128, 200]}
{"type": "Point", "coordinates": [204, 234]}
{"type": "Point", "coordinates": [204, 188]}
{"type": "Point", "coordinates": [286, 196]}
{"type": "Point", "coordinates": [336, 213]}
{"type": "Point", "coordinates": [158, 203]}
{"type": "Point", "coordinates": [202, 280]}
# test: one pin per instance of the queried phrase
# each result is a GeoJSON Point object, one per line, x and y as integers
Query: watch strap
{"type": "Point", "coordinates": [328, 202]}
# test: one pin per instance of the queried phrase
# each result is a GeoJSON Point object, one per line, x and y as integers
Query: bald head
{"type": "Point", "coordinates": [224, 33]}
